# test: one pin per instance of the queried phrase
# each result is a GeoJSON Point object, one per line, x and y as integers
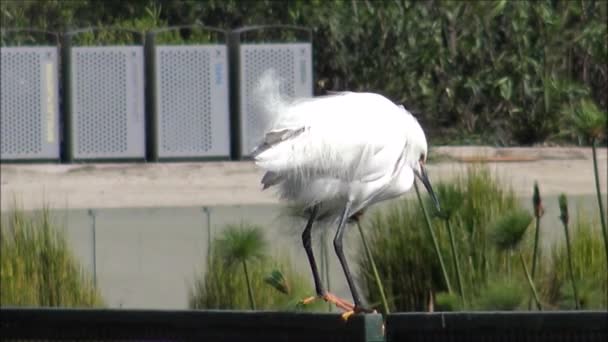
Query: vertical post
{"type": "Point", "coordinates": [66, 80]}
{"type": "Point", "coordinates": [599, 202]}
{"type": "Point", "coordinates": [94, 242]}
{"type": "Point", "coordinates": [151, 103]}
{"type": "Point", "coordinates": [234, 49]}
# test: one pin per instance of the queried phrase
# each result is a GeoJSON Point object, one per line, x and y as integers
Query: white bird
{"type": "Point", "coordinates": [334, 156]}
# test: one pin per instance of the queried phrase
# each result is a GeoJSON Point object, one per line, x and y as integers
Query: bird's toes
{"type": "Point", "coordinates": [338, 302]}
{"type": "Point", "coordinates": [347, 314]}
{"type": "Point", "coordinates": [363, 309]}
{"type": "Point", "coordinates": [356, 310]}
{"type": "Point", "coordinates": [308, 300]}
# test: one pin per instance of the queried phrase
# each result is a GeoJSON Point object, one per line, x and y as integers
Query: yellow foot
{"type": "Point", "coordinates": [330, 298]}
{"type": "Point", "coordinates": [347, 314]}
{"type": "Point", "coordinates": [308, 300]}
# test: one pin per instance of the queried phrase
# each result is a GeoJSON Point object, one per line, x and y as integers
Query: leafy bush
{"type": "Point", "coordinates": [404, 260]}
{"type": "Point", "coordinates": [486, 234]}
{"type": "Point", "coordinates": [509, 229]}
{"type": "Point", "coordinates": [37, 267]}
{"type": "Point", "coordinates": [501, 295]}
{"type": "Point", "coordinates": [403, 251]}
{"type": "Point", "coordinates": [447, 302]}
{"type": "Point", "coordinates": [224, 284]}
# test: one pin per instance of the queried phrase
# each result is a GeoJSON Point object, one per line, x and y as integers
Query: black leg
{"type": "Point", "coordinates": [307, 247]}
{"type": "Point", "coordinates": [340, 253]}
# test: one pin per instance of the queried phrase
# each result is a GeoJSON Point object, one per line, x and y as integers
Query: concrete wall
{"type": "Point", "coordinates": [147, 257]}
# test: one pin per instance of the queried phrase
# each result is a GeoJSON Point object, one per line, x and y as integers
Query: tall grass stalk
{"type": "Point", "coordinates": [93, 216]}
{"type": "Point", "coordinates": [530, 282]}
{"type": "Point", "coordinates": [599, 201]}
{"type": "Point", "coordinates": [588, 262]}
{"type": "Point", "coordinates": [452, 199]}
{"type": "Point", "coordinates": [538, 213]}
{"type": "Point", "coordinates": [589, 122]}
{"type": "Point", "coordinates": [37, 266]}
{"type": "Point", "coordinates": [249, 287]}
{"type": "Point", "coordinates": [375, 270]}
{"type": "Point", "coordinates": [563, 206]}
{"type": "Point", "coordinates": [537, 203]}
{"type": "Point", "coordinates": [404, 259]}
{"type": "Point", "coordinates": [429, 227]}
{"type": "Point", "coordinates": [207, 212]}
{"type": "Point", "coordinates": [456, 263]}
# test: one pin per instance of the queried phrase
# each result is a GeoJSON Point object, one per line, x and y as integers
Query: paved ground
{"type": "Point", "coordinates": [151, 232]}
{"type": "Point", "coordinates": [74, 186]}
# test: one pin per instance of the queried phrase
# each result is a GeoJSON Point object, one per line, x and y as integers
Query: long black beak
{"type": "Point", "coordinates": [424, 178]}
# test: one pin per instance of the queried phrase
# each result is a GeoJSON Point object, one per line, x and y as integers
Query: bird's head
{"type": "Point", "coordinates": [417, 152]}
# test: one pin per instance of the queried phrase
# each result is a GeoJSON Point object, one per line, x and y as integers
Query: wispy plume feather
{"type": "Point", "coordinates": [269, 102]}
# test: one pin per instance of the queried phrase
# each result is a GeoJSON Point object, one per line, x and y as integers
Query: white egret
{"type": "Point", "coordinates": [334, 156]}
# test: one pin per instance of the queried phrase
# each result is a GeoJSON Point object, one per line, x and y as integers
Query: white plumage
{"type": "Point", "coordinates": [335, 155]}
{"type": "Point", "coordinates": [328, 149]}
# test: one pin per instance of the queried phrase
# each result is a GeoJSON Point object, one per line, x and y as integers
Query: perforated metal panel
{"type": "Point", "coordinates": [192, 101]}
{"type": "Point", "coordinates": [29, 103]}
{"type": "Point", "coordinates": [292, 63]}
{"type": "Point", "coordinates": [107, 103]}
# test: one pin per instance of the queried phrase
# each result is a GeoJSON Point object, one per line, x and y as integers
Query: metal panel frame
{"type": "Point", "coordinates": [135, 99]}
{"type": "Point", "coordinates": [48, 88]}
{"type": "Point", "coordinates": [219, 111]}
{"type": "Point", "coordinates": [240, 129]}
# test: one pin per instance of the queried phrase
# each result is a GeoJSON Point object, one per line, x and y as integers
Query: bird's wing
{"type": "Point", "coordinates": [275, 137]}
{"type": "Point", "coordinates": [350, 136]}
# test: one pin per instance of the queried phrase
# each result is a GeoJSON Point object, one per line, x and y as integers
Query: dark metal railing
{"type": "Point", "coordinates": [191, 325]}
{"type": "Point", "coordinates": [216, 325]}
{"type": "Point", "coordinates": [498, 326]}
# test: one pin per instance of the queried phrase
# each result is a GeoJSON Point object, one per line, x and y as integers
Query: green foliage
{"type": "Point", "coordinates": [404, 255]}
{"type": "Point", "coordinates": [411, 272]}
{"type": "Point", "coordinates": [503, 295]}
{"type": "Point", "coordinates": [222, 287]}
{"type": "Point", "coordinates": [587, 120]}
{"type": "Point", "coordinates": [508, 231]}
{"type": "Point", "coordinates": [450, 198]}
{"type": "Point", "coordinates": [240, 243]}
{"type": "Point", "coordinates": [588, 293]}
{"type": "Point", "coordinates": [589, 268]}
{"type": "Point", "coordinates": [453, 199]}
{"type": "Point", "coordinates": [278, 281]}
{"type": "Point", "coordinates": [563, 209]}
{"type": "Point", "coordinates": [537, 203]}
{"type": "Point", "coordinates": [475, 71]}
{"type": "Point", "coordinates": [537, 206]}
{"type": "Point", "coordinates": [445, 301]}
{"type": "Point", "coordinates": [37, 267]}
{"type": "Point", "coordinates": [405, 262]}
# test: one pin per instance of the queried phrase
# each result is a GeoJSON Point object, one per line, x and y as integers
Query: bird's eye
{"type": "Point", "coordinates": [421, 158]}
